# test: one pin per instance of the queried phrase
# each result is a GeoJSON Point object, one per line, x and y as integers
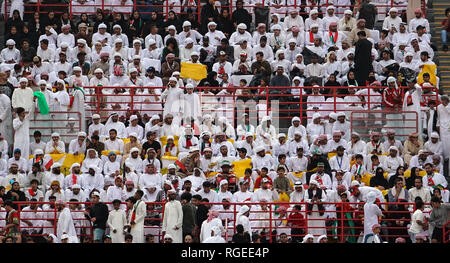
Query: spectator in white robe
{"type": "Point", "coordinates": [73, 178]}
{"type": "Point", "coordinates": [6, 121]}
{"type": "Point", "coordinates": [55, 145]}
{"type": "Point", "coordinates": [314, 197]}
{"type": "Point", "coordinates": [392, 22]}
{"type": "Point", "coordinates": [78, 146]}
{"type": "Point", "coordinates": [65, 37]}
{"type": "Point", "coordinates": [392, 161]}
{"type": "Point", "coordinates": [371, 213]}
{"type": "Point", "coordinates": [315, 128]}
{"type": "Point", "coordinates": [173, 98]}
{"type": "Point", "coordinates": [213, 220]}
{"type": "Point", "coordinates": [117, 220]}
{"type": "Point", "coordinates": [192, 105]}
{"type": "Point", "coordinates": [92, 180]}
{"type": "Point", "coordinates": [91, 159]}
{"type": "Point", "coordinates": [173, 218]}
{"type": "Point", "coordinates": [10, 55]}
{"type": "Point", "coordinates": [65, 225]}
{"type": "Point", "coordinates": [114, 123]}
{"type": "Point", "coordinates": [134, 127]}
{"type": "Point", "coordinates": [60, 103]}
{"type": "Point", "coordinates": [240, 34]}
{"type": "Point", "coordinates": [433, 145]}
{"type": "Point", "coordinates": [22, 96]}
{"type": "Point", "coordinates": [329, 18]}
{"type": "Point", "coordinates": [266, 127]}
{"type": "Point", "coordinates": [419, 20]}
{"type": "Point", "coordinates": [96, 126]}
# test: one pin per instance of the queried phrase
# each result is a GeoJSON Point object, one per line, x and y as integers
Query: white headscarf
{"type": "Point", "coordinates": [371, 197]}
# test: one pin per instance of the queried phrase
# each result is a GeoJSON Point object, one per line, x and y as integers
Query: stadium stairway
{"type": "Point", "coordinates": [435, 15]}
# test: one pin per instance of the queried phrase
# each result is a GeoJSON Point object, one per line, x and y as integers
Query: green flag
{"type": "Point", "coordinates": [43, 106]}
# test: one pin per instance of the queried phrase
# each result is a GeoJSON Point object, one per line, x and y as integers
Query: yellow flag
{"type": "Point", "coordinates": [57, 156]}
{"type": "Point", "coordinates": [193, 71]}
{"type": "Point", "coordinates": [163, 140]}
{"type": "Point", "coordinates": [69, 160]}
{"type": "Point", "coordinates": [240, 166]}
{"type": "Point", "coordinates": [430, 69]}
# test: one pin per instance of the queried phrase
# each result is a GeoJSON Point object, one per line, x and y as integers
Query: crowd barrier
{"type": "Point", "coordinates": [281, 103]}
{"type": "Point", "coordinates": [75, 8]}
{"type": "Point", "coordinates": [341, 221]}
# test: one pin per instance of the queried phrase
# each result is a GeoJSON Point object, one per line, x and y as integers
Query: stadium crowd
{"type": "Point", "coordinates": [177, 144]}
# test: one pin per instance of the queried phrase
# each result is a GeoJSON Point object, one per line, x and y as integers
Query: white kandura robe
{"type": "Point", "coordinates": [22, 133]}
{"type": "Point", "coordinates": [371, 214]}
{"type": "Point", "coordinates": [409, 123]}
{"type": "Point", "coordinates": [316, 226]}
{"type": "Point", "coordinates": [443, 123]}
{"type": "Point", "coordinates": [78, 109]}
{"type": "Point", "coordinates": [173, 98]}
{"type": "Point", "coordinates": [173, 217]}
{"type": "Point", "coordinates": [5, 117]}
{"type": "Point", "coordinates": [66, 225]}
{"type": "Point", "coordinates": [117, 219]}
{"type": "Point", "coordinates": [137, 231]}
{"type": "Point", "coordinates": [205, 231]}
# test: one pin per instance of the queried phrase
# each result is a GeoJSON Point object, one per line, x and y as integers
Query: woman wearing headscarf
{"type": "Point", "coordinates": [378, 180]}
{"type": "Point", "coordinates": [399, 174]}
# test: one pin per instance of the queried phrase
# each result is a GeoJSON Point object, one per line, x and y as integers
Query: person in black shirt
{"type": "Point", "coordinates": [224, 23]}
{"type": "Point", "coordinates": [209, 13]}
{"type": "Point", "coordinates": [240, 236]}
{"type": "Point", "coordinates": [378, 180]}
{"type": "Point", "coordinates": [98, 215]}
{"type": "Point", "coordinates": [151, 143]}
{"type": "Point", "coordinates": [15, 194]}
{"type": "Point", "coordinates": [241, 15]}
{"type": "Point", "coordinates": [5, 87]}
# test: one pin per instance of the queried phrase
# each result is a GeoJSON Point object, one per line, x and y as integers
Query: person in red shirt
{"type": "Point", "coordinates": [263, 174]}
{"type": "Point", "coordinates": [445, 29]}
{"type": "Point", "coordinates": [297, 222]}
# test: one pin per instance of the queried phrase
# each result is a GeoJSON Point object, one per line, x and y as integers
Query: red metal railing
{"type": "Point", "coordinates": [446, 232]}
{"type": "Point", "coordinates": [346, 224]}
{"type": "Point", "coordinates": [282, 103]}
{"type": "Point", "coordinates": [70, 6]}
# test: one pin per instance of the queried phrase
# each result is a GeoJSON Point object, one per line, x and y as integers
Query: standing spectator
{"type": "Point", "coordinates": [188, 214]}
{"type": "Point", "coordinates": [371, 214]}
{"type": "Point", "coordinates": [438, 217]}
{"type": "Point", "coordinates": [208, 14]}
{"type": "Point", "coordinates": [117, 221]}
{"type": "Point", "coordinates": [173, 218]}
{"type": "Point", "coordinates": [241, 15]}
{"type": "Point", "coordinates": [363, 57]}
{"type": "Point", "coordinates": [418, 224]}
{"type": "Point", "coordinates": [98, 215]}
